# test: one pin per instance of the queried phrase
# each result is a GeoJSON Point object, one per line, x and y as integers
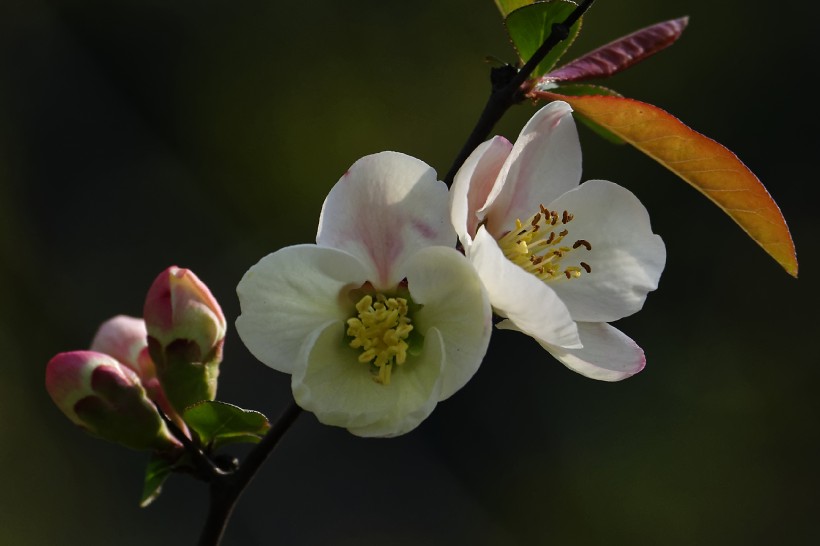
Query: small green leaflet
{"type": "Point", "coordinates": [219, 423]}
{"type": "Point", "coordinates": [529, 27]}
{"type": "Point", "coordinates": [156, 472]}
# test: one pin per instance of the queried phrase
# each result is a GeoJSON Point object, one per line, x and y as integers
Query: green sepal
{"type": "Point", "coordinates": [530, 26]}
{"type": "Point", "coordinates": [156, 473]}
{"type": "Point", "coordinates": [219, 423]}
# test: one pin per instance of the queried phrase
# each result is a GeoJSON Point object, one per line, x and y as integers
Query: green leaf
{"type": "Point", "coordinates": [508, 6]}
{"type": "Point", "coordinates": [529, 27]}
{"type": "Point", "coordinates": [580, 90]}
{"type": "Point", "coordinates": [156, 473]}
{"type": "Point", "coordinates": [220, 423]}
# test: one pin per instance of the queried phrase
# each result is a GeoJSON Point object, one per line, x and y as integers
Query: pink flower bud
{"type": "Point", "coordinates": [126, 339]}
{"type": "Point", "coordinates": [106, 399]}
{"type": "Point", "coordinates": [186, 331]}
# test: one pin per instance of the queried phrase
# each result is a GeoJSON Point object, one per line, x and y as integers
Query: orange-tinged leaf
{"type": "Point", "coordinates": [710, 167]}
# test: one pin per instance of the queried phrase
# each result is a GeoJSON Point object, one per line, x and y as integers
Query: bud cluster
{"type": "Point", "coordinates": [135, 367]}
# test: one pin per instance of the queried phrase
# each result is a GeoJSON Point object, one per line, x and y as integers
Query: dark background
{"type": "Point", "coordinates": [139, 134]}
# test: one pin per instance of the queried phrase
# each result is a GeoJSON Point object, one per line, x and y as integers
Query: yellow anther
{"type": "Point", "coordinates": [380, 330]}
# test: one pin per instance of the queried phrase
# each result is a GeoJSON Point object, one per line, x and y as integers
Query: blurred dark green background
{"type": "Point", "coordinates": [139, 134]}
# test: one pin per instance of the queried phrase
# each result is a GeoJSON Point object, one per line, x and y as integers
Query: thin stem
{"type": "Point", "coordinates": [204, 466]}
{"type": "Point", "coordinates": [226, 489]}
{"type": "Point", "coordinates": [508, 90]}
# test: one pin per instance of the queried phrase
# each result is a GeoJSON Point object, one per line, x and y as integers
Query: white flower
{"type": "Point", "coordinates": [382, 318]}
{"type": "Point", "coordinates": [559, 260]}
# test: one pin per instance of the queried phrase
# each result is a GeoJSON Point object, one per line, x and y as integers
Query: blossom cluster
{"type": "Point", "coordinates": [391, 311]}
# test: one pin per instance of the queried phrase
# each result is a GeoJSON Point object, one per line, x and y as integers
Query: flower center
{"type": "Point", "coordinates": [539, 248]}
{"type": "Point", "coordinates": [380, 330]}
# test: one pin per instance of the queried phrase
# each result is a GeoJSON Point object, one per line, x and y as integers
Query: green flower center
{"type": "Point", "coordinates": [380, 330]}
{"type": "Point", "coordinates": [538, 246]}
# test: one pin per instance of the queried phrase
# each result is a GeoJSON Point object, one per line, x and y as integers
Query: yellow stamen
{"type": "Point", "coordinates": [536, 247]}
{"type": "Point", "coordinates": [380, 330]}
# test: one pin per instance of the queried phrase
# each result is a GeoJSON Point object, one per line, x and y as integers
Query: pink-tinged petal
{"type": "Point", "coordinates": [68, 378]}
{"type": "Point", "coordinates": [544, 163]}
{"type": "Point", "coordinates": [531, 305]}
{"type": "Point", "coordinates": [620, 54]}
{"type": "Point", "coordinates": [292, 293]}
{"type": "Point", "coordinates": [341, 391]}
{"type": "Point", "coordinates": [473, 183]}
{"type": "Point", "coordinates": [180, 306]}
{"type": "Point", "coordinates": [124, 338]}
{"type": "Point", "coordinates": [386, 207]}
{"type": "Point", "coordinates": [455, 303]}
{"type": "Point", "coordinates": [608, 354]}
{"type": "Point", "coordinates": [626, 259]}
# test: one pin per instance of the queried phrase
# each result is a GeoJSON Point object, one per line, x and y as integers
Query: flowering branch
{"type": "Point", "coordinates": [226, 487]}
{"type": "Point", "coordinates": [507, 90]}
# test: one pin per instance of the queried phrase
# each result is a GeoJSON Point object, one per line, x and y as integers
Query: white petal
{"type": "Point", "coordinates": [386, 207]}
{"type": "Point", "coordinates": [473, 183]}
{"type": "Point", "coordinates": [341, 391]}
{"type": "Point", "coordinates": [626, 257]}
{"type": "Point", "coordinates": [608, 354]}
{"type": "Point", "coordinates": [290, 294]}
{"type": "Point", "coordinates": [544, 163]}
{"type": "Point", "coordinates": [525, 300]}
{"type": "Point", "coordinates": [456, 304]}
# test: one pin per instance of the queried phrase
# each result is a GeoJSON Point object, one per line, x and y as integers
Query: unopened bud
{"type": "Point", "coordinates": [126, 339]}
{"type": "Point", "coordinates": [106, 399]}
{"type": "Point", "coordinates": [186, 331]}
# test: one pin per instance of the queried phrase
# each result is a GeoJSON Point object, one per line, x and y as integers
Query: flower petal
{"type": "Point", "coordinates": [473, 183]}
{"type": "Point", "coordinates": [608, 354]}
{"type": "Point", "coordinates": [626, 257]}
{"type": "Point", "coordinates": [290, 294]}
{"type": "Point", "coordinates": [386, 207]}
{"type": "Point", "coordinates": [524, 299]}
{"type": "Point", "coordinates": [544, 163]}
{"type": "Point", "coordinates": [124, 338]}
{"type": "Point", "coordinates": [341, 391]}
{"type": "Point", "coordinates": [454, 303]}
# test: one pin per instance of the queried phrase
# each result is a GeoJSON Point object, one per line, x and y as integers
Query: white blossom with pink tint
{"type": "Point", "coordinates": [559, 259]}
{"type": "Point", "coordinates": [382, 318]}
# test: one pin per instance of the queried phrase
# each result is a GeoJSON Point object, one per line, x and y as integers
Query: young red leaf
{"type": "Point", "coordinates": [705, 164]}
{"type": "Point", "coordinates": [620, 54]}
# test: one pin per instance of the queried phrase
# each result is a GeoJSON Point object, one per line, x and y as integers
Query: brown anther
{"type": "Point", "coordinates": [557, 253]}
{"type": "Point", "coordinates": [553, 217]}
{"type": "Point", "coordinates": [586, 267]}
{"type": "Point", "coordinates": [563, 233]}
{"type": "Point", "coordinates": [566, 217]}
{"type": "Point", "coordinates": [568, 274]}
{"type": "Point", "coordinates": [536, 219]}
{"type": "Point", "coordinates": [583, 243]}
{"type": "Point", "coordinates": [551, 237]}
